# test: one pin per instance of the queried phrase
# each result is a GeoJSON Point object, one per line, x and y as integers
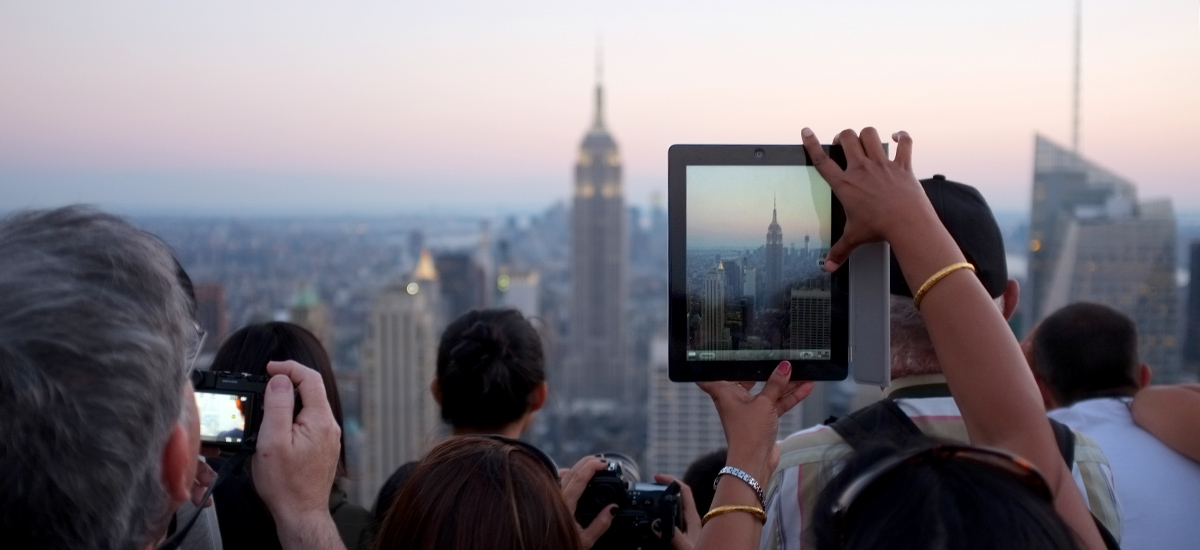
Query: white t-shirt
{"type": "Point", "coordinates": [1158, 489]}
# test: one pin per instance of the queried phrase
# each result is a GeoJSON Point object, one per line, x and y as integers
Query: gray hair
{"type": "Point", "coordinates": [912, 350]}
{"type": "Point", "coordinates": [95, 327]}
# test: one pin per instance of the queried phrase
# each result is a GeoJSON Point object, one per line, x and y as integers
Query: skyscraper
{"type": "Point", "coordinates": [1091, 240]}
{"type": "Point", "coordinates": [599, 365]}
{"type": "Point", "coordinates": [307, 311]}
{"type": "Point", "coordinates": [713, 334]}
{"type": "Point", "coordinates": [773, 277]}
{"type": "Point", "coordinates": [210, 313]}
{"type": "Point", "coordinates": [400, 417]}
{"type": "Point", "coordinates": [463, 283]}
{"type": "Point", "coordinates": [809, 316]}
{"type": "Point", "coordinates": [1191, 338]}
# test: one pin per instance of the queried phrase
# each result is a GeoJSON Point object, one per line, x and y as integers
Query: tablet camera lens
{"type": "Point", "coordinates": [759, 153]}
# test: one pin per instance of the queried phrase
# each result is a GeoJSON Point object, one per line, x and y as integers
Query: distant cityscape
{"type": "Point", "coordinates": [768, 303]}
{"type": "Point", "coordinates": [592, 274]}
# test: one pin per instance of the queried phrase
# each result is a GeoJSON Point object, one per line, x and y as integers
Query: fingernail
{"type": "Point", "coordinates": [831, 266]}
{"type": "Point", "coordinates": [279, 383]}
{"type": "Point", "coordinates": [613, 510]}
{"type": "Point", "coordinates": [806, 132]}
{"type": "Point", "coordinates": [895, 136]}
{"type": "Point", "coordinates": [785, 368]}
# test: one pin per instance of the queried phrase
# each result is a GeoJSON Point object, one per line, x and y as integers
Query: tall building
{"type": "Point", "coordinates": [773, 276]}
{"type": "Point", "coordinates": [400, 417]}
{"type": "Point", "coordinates": [713, 334]}
{"type": "Point", "coordinates": [682, 422]}
{"type": "Point", "coordinates": [463, 283]}
{"type": "Point", "coordinates": [809, 319]}
{"type": "Point", "coordinates": [1191, 338]}
{"type": "Point", "coordinates": [1091, 240]}
{"type": "Point", "coordinates": [599, 366]}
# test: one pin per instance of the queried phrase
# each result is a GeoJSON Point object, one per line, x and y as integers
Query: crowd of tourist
{"type": "Point", "coordinates": [981, 441]}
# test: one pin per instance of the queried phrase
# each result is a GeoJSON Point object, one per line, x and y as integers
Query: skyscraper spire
{"type": "Point", "coordinates": [774, 207]}
{"type": "Point", "coordinates": [599, 122]}
{"type": "Point", "coordinates": [1078, 53]}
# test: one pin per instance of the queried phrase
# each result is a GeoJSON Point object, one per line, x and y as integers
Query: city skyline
{"type": "Point", "coordinates": [308, 108]}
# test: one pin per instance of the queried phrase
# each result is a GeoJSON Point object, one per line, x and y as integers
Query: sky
{"type": "Point", "coordinates": [316, 107]}
{"type": "Point", "coordinates": [730, 207]}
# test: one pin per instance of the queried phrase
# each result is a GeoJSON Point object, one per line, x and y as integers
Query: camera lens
{"type": "Point", "coordinates": [759, 153]}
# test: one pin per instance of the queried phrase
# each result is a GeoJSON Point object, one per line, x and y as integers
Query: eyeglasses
{"type": "Point", "coordinates": [1019, 469]}
{"type": "Point", "coordinates": [197, 346]}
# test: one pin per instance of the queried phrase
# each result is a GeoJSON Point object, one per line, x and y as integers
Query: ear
{"type": "Point", "coordinates": [1144, 375]}
{"type": "Point", "coordinates": [178, 466]}
{"type": "Point", "coordinates": [436, 389]}
{"type": "Point", "coordinates": [1048, 400]}
{"type": "Point", "coordinates": [1011, 294]}
{"type": "Point", "coordinates": [537, 397]}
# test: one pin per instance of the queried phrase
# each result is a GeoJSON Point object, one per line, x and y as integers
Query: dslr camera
{"type": "Point", "coordinates": [647, 513]}
{"type": "Point", "coordinates": [231, 408]}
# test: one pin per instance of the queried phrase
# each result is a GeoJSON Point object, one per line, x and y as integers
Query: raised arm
{"type": "Point", "coordinates": [1172, 414]}
{"type": "Point", "coordinates": [981, 358]}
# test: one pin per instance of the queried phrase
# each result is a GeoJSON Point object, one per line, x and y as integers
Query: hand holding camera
{"type": "Point", "coordinates": [296, 460]}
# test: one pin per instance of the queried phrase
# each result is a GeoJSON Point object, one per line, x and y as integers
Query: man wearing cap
{"type": "Point", "coordinates": [809, 458]}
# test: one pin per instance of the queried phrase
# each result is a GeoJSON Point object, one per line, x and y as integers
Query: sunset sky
{"type": "Point", "coordinates": [317, 107]}
{"type": "Point", "coordinates": [729, 207]}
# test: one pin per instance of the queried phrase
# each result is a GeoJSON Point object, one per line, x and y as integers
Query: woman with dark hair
{"type": "Point", "coordinates": [491, 379]}
{"type": "Point", "coordinates": [244, 519]}
{"type": "Point", "coordinates": [477, 492]}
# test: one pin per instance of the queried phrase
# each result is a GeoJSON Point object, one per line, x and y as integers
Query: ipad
{"type": "Point", "coordinates": [749, 228]}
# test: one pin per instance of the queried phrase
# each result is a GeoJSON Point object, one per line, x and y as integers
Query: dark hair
{"type": "Point", "coordinates": [488, 364]}
{"type": "Point", "coordinates": [938, 502]}
{"type": "Point", "coordinates": [1087, 350]}
{"type": "Point", "coordinates": [251, 347]}
{"type": "Point", "coordinates": [472, 493]}
{"type": "Point", "coordinates": [700, 476]}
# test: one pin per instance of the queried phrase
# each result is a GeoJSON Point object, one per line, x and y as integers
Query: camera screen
{"type": "Point", "coordinates": [756, 239]}
{"type": "Point", "coordinates": [222, 416]}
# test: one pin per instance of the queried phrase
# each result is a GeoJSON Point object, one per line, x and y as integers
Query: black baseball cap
{"type": "Point", "coordinates": [970, 221]}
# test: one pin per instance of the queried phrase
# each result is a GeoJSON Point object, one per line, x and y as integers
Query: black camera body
{"type": "Point", "coordinates": [647, 513]}
{"type": "Point", "coordinates": [231, 408]}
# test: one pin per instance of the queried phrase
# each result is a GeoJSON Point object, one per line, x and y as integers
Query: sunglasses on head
{"type": "Point", "coordinates": [1017, 468]}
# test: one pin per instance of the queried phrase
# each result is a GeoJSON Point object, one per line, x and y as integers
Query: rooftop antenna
{"type": "Point", "coordinates": [1078, 48]}
{"type": "Point", "coordinates": [599, 122]}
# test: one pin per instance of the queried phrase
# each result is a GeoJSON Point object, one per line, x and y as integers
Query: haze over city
{"type": "Point", "coordinates": [299, 108]}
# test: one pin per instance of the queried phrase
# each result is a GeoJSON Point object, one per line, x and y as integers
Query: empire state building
{"type": "Point", "coordinates": [599, 368]}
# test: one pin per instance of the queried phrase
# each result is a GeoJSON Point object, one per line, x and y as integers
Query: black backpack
{"type": "Point", "coordinates": [883, 421]}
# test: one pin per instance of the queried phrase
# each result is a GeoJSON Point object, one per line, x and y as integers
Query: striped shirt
{"type": "Point", "coordinates": [810, 458]}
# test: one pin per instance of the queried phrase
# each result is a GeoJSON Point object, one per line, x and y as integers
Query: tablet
{"type": "Point", "coordinates": [749, 228]}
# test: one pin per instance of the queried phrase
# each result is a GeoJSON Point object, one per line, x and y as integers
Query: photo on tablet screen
{"type": "Point", "coordinates": [755, 241]}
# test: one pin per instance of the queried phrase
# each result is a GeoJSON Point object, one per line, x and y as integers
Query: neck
{"type": "Point", "coordinates": [512, 430]}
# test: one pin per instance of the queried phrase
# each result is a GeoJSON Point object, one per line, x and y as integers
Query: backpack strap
{"type": "Point", "coordinates": [882, 420]}
{"type": "Point", "coordinates": [1066, 441]}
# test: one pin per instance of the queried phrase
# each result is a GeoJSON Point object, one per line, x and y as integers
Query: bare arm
{"type": "Point", "coordinates": [980, 357]}
{"type": "Point", "coordinates": [1171, 414]}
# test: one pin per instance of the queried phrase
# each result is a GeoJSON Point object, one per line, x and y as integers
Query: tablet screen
{"type": "Point", "coordinates": [750, 227]}
{"type": "Point", "coordinates": [756, 239]}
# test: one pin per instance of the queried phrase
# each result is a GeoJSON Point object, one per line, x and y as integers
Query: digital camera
{"type": "Point", "coordinates": [231, 408]}
{"type": "Point", "coordinates": [646, 515]}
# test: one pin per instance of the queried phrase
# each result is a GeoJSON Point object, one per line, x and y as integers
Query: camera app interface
{"type": "Point", "coordinates": [756, 239]}
{"type": "Point", "coordinates": [222, 416]}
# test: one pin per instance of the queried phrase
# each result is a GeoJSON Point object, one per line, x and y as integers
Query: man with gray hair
{"type": "Point", "coordinates": [918, 400]}
{"type": "Point", "coordinates": [99, 435]}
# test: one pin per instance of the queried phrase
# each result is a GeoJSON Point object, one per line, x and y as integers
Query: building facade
{"type": "Point", "coordinates": [599, 370]}
{"type": "Point", "coordinates": [1091, 240]}
{"type": "Point", "coordinates": [400, 417]}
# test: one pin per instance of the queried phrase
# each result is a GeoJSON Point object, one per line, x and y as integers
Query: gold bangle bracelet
{"type": "Point", "coordinates": [752, 510]}
{"type": "Point", "coordinates": [937, 278]}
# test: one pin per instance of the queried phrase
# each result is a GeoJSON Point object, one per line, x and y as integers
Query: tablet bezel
{"type": "Point", "coordinates": [679, 157]}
